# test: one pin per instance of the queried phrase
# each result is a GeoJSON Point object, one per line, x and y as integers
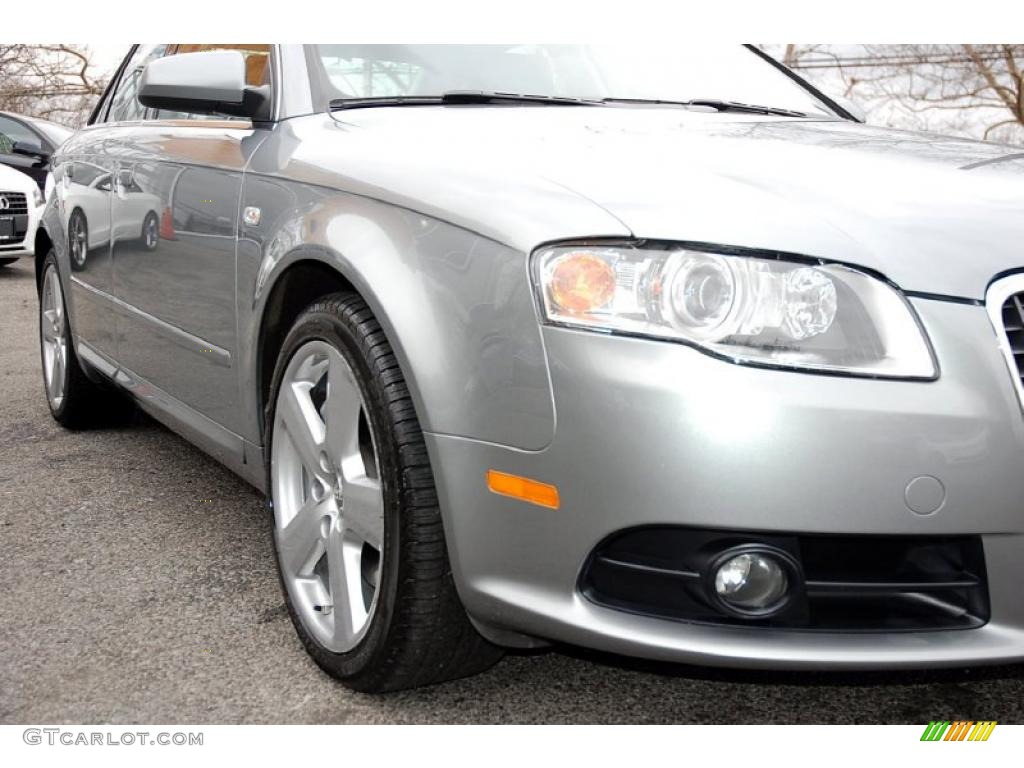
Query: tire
{"type": "Point", "coordinates": [416, 631]}
{"type": "Point", "coordinates": [150, 235]}
{"type": "Point", "coordinates": [75, 402]}
{"type": "Point", "coordinates": [78, 239]}
{"type": "Point", "coordinates": [6, 262]}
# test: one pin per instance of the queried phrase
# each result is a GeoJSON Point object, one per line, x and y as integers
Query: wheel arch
{"type": "Point", "coordinates": [43, 243]}
{"type": "Point", "coordinates": [301, 278]}
{"type": "Point", "coordinates": [456, 307]}
{"type": "Point", "coordinates": [304, 280]}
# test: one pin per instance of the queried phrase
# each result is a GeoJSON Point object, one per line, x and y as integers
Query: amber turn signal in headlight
{"type": "Point", "coordinates": [522, 488]}
{"type": "Point", "coordinates": [581, 282]}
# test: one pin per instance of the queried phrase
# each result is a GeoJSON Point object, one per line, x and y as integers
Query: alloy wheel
{"type": "Point", "coordinates": [151, 234]}
{"type": "Point", "coordinates": [327, 497]}
{"type": "Point", "coordinates": [79, 244]}
{"type": "Point", "coordinates": [53, 330]}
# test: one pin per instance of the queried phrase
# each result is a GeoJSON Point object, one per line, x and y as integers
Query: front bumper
{"type": "Point", "coordinates": [22, 245]}
{"type": "Point", "coordinates": [654, 433]}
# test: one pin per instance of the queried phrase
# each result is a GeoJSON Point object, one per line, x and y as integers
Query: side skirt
{"type": "Point", "coordinates": [243, 458]}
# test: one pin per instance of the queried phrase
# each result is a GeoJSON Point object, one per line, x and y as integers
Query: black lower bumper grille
{"type": "Point", "coordinates": [13, 202]}
{"type": "Point", "coordinates": [846, 583]}
{"type": "Point", "coordinates": [13, 217]}
{"type": "Point", "coordinates": [15, 231]}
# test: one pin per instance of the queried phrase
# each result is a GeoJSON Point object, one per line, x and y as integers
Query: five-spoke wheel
{"type": "Point", "coordinates": [328, 503]}
{"type": "Point", "coordinates": [53, 330]}
{"type": "Point", "coordinates": [357, 528]}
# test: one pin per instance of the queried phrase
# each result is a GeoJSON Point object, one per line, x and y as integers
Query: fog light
{"type": "Point", "coordinates": [752, 582]}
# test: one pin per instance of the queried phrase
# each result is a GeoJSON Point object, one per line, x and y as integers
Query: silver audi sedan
{"type": "Point", "coordinates": [655, 351]}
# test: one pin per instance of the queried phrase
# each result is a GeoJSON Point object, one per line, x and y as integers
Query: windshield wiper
{"type": "Point", "coordinates": [461, 97]}
{"type": "Point", "coordinates": [496, 97]}
{"type": "Point", "coordinates": [736, 106]}
{"type": "Point", "coordinates": [721, 106]}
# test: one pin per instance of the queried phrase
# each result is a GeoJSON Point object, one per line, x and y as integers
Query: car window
{"type": "Point", "coordinates": [364, 77]}
{"type": "Point", "coordinates": [12, 131]}
{"type": "Point", "coordinates": [124, 105]}
{"type": "Point", "coordinates": [85, 174]}
{"type": "Point", "coordinates": [257, 71]}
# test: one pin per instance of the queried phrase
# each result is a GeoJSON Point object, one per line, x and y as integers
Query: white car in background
{"type": "Point", "coordinates": [83, 198]}
{"type": "Point", "coordinates": [21, 204]}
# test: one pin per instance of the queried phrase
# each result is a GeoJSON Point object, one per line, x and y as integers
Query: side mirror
{"type": "Point", "coordinates": [207, 83]}
{"type": "Point", "coordinates": [29, 149]}
{"type": "Point", "coordinates": [855, 110]}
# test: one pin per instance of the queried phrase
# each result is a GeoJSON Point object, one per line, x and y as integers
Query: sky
{"type": "Point", "coordinates": [107, 56]}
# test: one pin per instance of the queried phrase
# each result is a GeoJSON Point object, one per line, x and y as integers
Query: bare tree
{"type": "Point", "coordinates": [975, 90]}
{"type": "Point", "coordinates": [52, 81]}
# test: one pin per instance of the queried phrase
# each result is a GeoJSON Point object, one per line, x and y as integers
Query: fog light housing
{"type": "Point", "coordinates": [752, 581]}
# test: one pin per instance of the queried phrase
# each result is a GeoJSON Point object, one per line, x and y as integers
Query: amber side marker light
{"type": "Point", "coordinates": [522, 488]}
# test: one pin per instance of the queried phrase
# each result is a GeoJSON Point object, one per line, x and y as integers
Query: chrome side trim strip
{"type": "Point", "coordinates": [183, 339]}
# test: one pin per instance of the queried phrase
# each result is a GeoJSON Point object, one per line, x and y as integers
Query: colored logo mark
{"type": "Point", "coordinates": [958, 730]}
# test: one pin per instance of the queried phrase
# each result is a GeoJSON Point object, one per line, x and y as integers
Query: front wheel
{"type": "Point", "coordinates": [357, 528]}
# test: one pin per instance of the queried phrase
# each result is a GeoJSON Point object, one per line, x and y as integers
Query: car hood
{"type": "Point", "coordinates": [12, 180]}
{"type": "Point", "coordinates": [934, 214]}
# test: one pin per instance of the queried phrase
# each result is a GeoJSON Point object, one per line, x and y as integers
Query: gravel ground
{"type": "Point", "coordinates": [138, 585]}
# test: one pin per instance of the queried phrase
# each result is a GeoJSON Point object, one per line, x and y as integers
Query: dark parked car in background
{"type": "Point", "coordinates": [27, 143]}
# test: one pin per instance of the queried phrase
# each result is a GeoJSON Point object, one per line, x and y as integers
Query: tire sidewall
{"type": "Point", "coordinates": [327, 327]}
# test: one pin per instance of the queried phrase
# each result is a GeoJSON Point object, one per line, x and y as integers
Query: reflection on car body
{"type": "Point", "coordinates": [27, 143]}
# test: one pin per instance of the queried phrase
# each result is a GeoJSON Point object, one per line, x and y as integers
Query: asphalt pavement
{"type": "Point", "coordinates": [137, 585]}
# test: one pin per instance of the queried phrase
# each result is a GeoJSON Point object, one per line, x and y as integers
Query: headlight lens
{"type": "Point", "coordinates": [823, 317]}
{"type": "Point", "coordinates": [37, 197]}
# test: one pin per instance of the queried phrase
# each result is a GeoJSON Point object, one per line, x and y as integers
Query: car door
{"type": "Point", "coordinates": [174, 219]}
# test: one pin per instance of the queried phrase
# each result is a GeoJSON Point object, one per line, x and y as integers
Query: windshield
{"type": "Point", "coordinates": [592, 72]}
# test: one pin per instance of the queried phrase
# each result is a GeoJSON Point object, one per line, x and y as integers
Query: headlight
{"type": "Point", "coordinates": [37, 197]}
{"type": "Point", "coordinates": [814, 316]}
